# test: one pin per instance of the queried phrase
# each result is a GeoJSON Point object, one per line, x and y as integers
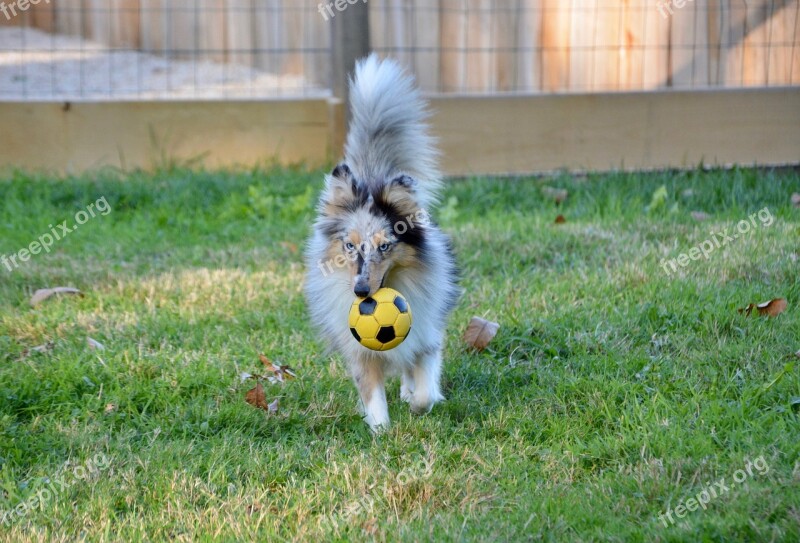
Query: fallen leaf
{"type": "Point", "coordinates": [797, 354]}
{"type": "Point", "coordinates": [560, 219]}
{"type": "Point", "coordinates": [44, 293]}
{"type": "Point", "coordinates": [772, 308]}
{"type": "Point", "coordinates": [94, 344]}
{"type": "Point", "coordinates": [480, 332]}
{"type": "Point", "coordinates": [244, 376]}
{"type": "Point", "coordinates": [273, 406]}
{"type": "Point", "coordinates": [257, 398]}
{"type": "Point", "coordinates": [700, 216]}
{"type": "Point", "coordinates": [557, 195]}
{"type": "Point", "coordinates": [110, 408]}
{"type": "Point", "coordinates": [796, 199]}
{"type": "Point", "coordinates": [280, 373]}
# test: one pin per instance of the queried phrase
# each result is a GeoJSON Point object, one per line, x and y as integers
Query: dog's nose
{"type": "Point", "coordinates": [361, 290]}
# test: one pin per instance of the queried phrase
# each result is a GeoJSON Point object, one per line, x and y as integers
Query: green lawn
{"type": "Point", "coordinates": [614, 391]}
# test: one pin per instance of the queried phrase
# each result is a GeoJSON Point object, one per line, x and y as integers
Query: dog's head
{"type": "Point", "coordinates": [372, 227]}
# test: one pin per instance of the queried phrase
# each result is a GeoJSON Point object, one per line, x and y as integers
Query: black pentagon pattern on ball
{"type": "Point", "coordinates": [400, 304]}
{"type": "Point", "coordinates": [367, 307]}
{"type": "Point", "coordinates": [386, 334]}
{"type": "Point", "coordinates": [355, 334]}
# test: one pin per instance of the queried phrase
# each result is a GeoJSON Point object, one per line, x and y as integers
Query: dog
{"type": "Point", "coordinates": [373, 229]}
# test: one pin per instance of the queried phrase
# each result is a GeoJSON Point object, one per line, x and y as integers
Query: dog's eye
{"type": "Point", "coordinates": [349, 246]}
{"type": "Point", "coordinates": [383, 247]}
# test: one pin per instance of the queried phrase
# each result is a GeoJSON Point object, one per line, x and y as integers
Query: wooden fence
{"type": "Point", "coordinates": [480, 46]}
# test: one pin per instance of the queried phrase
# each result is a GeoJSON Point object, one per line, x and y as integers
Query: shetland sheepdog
{"type": "Point", "coordinates": [373, 230]}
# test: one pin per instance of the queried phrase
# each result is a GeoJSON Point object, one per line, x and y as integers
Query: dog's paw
{"type": "Point", "coordinates": [421, 404]}
{"type": "Point", "coordinates": [407, 387]}
{"type": "Point", "coordinates": [378, 429]}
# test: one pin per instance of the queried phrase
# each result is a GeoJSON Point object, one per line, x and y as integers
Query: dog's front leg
{"type": "Point", "coordinates": [369, 379]}
{"type": "Point", "coordinates": [427, 372]}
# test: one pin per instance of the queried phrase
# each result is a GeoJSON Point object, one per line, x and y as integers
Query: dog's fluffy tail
{"type": "Point", "coordinates": [388, 129]}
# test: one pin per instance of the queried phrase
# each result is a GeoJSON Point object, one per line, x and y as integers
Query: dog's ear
{"type": "Point", "coordinates": [341, 190]}
{"type": "Point", "coordinates": [401, 194]}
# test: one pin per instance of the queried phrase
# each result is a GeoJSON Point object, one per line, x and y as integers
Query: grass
{"type": "Point", "coordinates": [613, 391]}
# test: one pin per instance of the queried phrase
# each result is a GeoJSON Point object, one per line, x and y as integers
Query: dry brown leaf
{"type": "Point", "coordinates": [772, 308]}
{"type": "Point", "coordinates": [44, 293]}
{"type": "Point", "coordinates": [796, 199]}
{"type": "Point", "coordinates": [557, 195]}
{"type": "Point", "coordinates": [480, 332]}
{"type": "Point", "coordinates": [257, 398]}
{"type": "Point", "coordinates": [700, 216]}
{"type": "Point", "coordinates": [280, 373]}
{"type": "Point", "coordinates": [94, 344]}
{"type": "Point", "coordinates": [560, 219]}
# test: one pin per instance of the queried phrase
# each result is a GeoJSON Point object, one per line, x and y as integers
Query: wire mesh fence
{"type": "Point", "coordinates": [230, 49]}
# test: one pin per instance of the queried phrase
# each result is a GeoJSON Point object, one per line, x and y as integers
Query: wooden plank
{"type": "Point", "coordinates": [138, 135]}
{"type": "Point", "coordinates": [607, 46]}
{"type": "Point", "coordinates": [650, 46]}
{"type": "Point", "coordinates": [154, 33]}
{"type": "Point", "coordinates": [453, 40]}
{"type": "Point", "coordinates": [631, 131]}
{"type": "Point", "coordinates": [479, 46]}
{"type": "Point", "coordinates": [755, 61]}
{"type": "Point", "coordinates": [689, 50]}
{"type": "Point", "coordinates": [240, 38]}
{"type": "Point", "coordinates": [792, 28]}
{"type": "Point", "coordinates": [582, 44]}
{"type": "Point", "coordinates": [479, 135]}
{"type": "Point", "coordinates": [351, 40]}
{"type": "Point", "coordinates": [211, 30]}
{"type": "Point", "coordinates": [425, 27]}
{"type": "Point", "coordinates": [783, 30]}
{"type": "Point", "coordinates": [43, 17]}
{"type": "Point", "coordinates": [505, 41]}
{"type": "Point", "coordinates": [71, 17]}
{"type": "Point", "coordinates": [270, 31]}
{"type": "Point", "coordinates": [528, 58]}
{"type": "Point", "coordinates": [317, 42]}
{"type": "Point", "coordinates": [555, 43]}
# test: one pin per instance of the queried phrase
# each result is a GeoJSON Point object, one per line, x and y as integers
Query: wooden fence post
{"type": "Point", "coordinates": [350, 35]}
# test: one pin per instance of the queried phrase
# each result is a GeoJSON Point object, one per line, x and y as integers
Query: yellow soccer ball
{"type": "Point", "coordinates": [382, 321]}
